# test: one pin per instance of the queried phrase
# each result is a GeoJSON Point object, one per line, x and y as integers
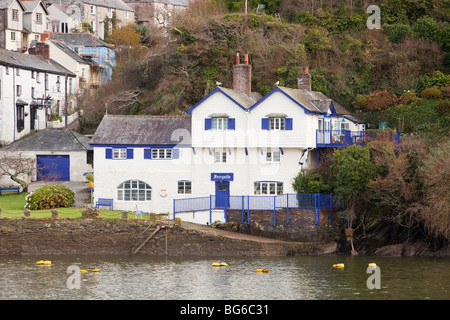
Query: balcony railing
{"type": "Point", "coordinates": [340, 138]}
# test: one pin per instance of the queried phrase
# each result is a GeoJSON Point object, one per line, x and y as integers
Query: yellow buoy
{"type": "Point", "coordinates": [46, 263]}
{"type": "Point", "coordinates": [263, 270]}
{"type": "Point", "coordinates": [259, 270]}
{"type": "Point", "coordinates": [216, 264]}
{"type": "Point", "coordinates": [338, 265]}
{"type": "Point", "coordinates": [83, 271]}
{"type": "Point", "coordinates": [224, 264]}
{"type": "Point", "coordinates": [40, 262]}
{"type": "Point", "coordinates": [372, 264]}
{"type": "Point", "coordinates": [95, 270]}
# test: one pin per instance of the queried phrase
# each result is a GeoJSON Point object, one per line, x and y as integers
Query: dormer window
{"type": "Point", "coordinates": [15, 15]}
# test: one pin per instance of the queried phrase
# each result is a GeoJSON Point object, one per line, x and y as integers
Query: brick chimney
{"type": "Point", "coordinates": [304, 79]}
{"type": "Point", "coordinates": [242, 76]}
{"type": "Point", "coordinates": [41, 49]}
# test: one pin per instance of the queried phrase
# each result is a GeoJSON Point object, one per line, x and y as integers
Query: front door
{"type": "Point", "coordinates": [222, 194]}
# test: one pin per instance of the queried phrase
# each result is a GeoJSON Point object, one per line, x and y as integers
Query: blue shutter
{"type": "Point", "coordinates": [231, 124]}
{"type": "Point", "coordinates": [265, 123]}
{"type": "Point", "coordinates": [175, 153]}
{"type": "Point", "coordinates": [129, 153]}
{"type": "Point", "coordinates": [147, 153]}
{"type": "Point", "coordinates": [288, 124]}
{"type": "Point", "coordinates": [208, 124]}
{"type": "Point", "coordinates": [108, 154]}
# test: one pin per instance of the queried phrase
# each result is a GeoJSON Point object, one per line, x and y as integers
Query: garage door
{"type": "Point", "coordinates": [53, 167]}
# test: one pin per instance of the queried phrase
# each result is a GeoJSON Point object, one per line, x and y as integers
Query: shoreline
{"type": "Point", "coordinates": [97, 236]}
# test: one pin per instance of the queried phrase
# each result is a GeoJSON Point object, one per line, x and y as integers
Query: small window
{"type": "Point", "coordinates": [20, 117]}
{"type": "Point", "coordinates": [15, 15]}
{"type": "Point", "coordinates": [18, 90]}
{"type": "Point", "coordinates": [277, 123]}
{"type": "Point", "coordinates": [32, 92]}
{"type": "Point", "coordinates": [7, 70]}
{"type": "Point", "coordinates": [273, 156]}
{"type": "Point", "coordinates": [162, 153]}
{"type": "Point", "coordinates": [38, 18]}
{"type": "Point", "coordinates": [37, 77]}
{"type": "Point", "coordinates": [220, 157]}
{"type": "Point", "coordinates": [220, 123]}
{"type": "Point", "coordinates": [184, 187]}
{"type": "Point", "coordinates": [17, 72]}
{"type": "Point", "coordinates": [119, 153]}
{"type": "Point", "coordinates": [268, 188]}
{"type": "Point", "coordinates": [134, 190]}
{"type": "Point", "coordinates": [92, 9]}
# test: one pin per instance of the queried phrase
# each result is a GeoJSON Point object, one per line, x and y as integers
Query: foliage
{"type": "Point", "coordinates": [47, 197]}
{"type": "Point", "coordinates": [431, 93]}
{"type": "Point", "coordinates": [399, 32]}
{"type": "Point", "coordinates": [313, 181]}
{"type": "Point", "coordinates": [354, 170]}
{"type": "Point", "coordinates": [381, 100]}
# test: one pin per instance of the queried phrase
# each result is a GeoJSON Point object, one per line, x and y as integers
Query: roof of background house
{"type": "Point", "coordinates": [63, 46]}
{"type": "Point", "coordinates": [32, 62]}
{"type": "Point", "coordinates": [79, 39]}
{"type": "Point", "coordinates": [30, 5]}
{"type": "Point", "coordinates": [143, 130]}
{"type": "Point", "coordinates": [183, 3]}
{"type": "Point", "coordinates": [116, 4]}
{"type": "Point", "coordinates": [51, 140]}
{"type": "Point", "coordinates": [6, 3]}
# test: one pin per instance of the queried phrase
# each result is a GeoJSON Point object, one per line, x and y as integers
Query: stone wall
{"type": "Point", "coordinates": [46, 237]}
{"type": "Point", "coordinates": [301, 226]}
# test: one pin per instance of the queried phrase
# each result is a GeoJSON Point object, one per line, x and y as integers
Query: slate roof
{"type": "Point", "coordinates": [116, 4]}
{"type": "Point", "coordinates": [63, 46]}
{"type": "Point", "coordinates": [51, 140]}
{"type": "Point", "coordinates": [6, 3]}
{"type": "Point", "coordinates": [32, 62]}
{"type": "Point", "coordinates": [143, 130]}
{"type": "Point", "coordinates": [79, 39]}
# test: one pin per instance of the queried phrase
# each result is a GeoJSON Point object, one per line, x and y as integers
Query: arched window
{"type": "Point", "coordinates": [134, 190]}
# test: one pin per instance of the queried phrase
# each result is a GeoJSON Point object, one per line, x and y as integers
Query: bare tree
{"type": "Point", "coordinates": [15, 165]}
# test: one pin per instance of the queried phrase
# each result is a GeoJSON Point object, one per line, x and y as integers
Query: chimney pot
{"type": "Point", "coordinates": [304, 79]}
{"type": "Point", "coordinates": [242, 77]}
{"type": "Point", "coordinates": [238, 60]}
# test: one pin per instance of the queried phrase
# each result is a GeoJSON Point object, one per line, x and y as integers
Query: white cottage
{"type": "Point", "coordinates": [234, 142]}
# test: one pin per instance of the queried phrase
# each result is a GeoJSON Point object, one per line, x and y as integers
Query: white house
{"type": "Point", "coordinates": [11, 24]}
{"type": "Point", "coordinates": [34, 21]}
{"type": "Point", "coordinates": [159, 13]}
{"type": "Point", "coordinates": [63, 18]}
{"type": "Point", "coordinates": [235, 142]}
{"type": "Point", "coordinates": [32, 87]}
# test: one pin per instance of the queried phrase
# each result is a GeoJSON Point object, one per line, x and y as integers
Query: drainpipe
{"type": "Point", "coordinates": [14, 104]}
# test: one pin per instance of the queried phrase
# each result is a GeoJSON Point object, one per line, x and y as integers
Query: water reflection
{"type": "Point", "coordinates": [164, 278]}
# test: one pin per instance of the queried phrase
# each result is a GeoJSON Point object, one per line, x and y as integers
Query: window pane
{"type": "Point", "coordinates": [187, 187]}
{"type": "Point", "coordinates": [257, 186]}
{"type": "Point", "coordinates": [142, 185]}
{"type": "Point", "coordinates": [119, 194]}
{"type": "Point", "coordinates": [134, 184]}
{"type": "Point", "coordinates": [216, 157]}
{"type": "Point", "coordinates": [214, 123]}
{"type": "Point", "coordinates": [161, 153]}
{"type": "Point", "coordinates": [282, 123]}
{"type": "Point", "coordinates": [134, 194]}
{"type": "Point", "coordinates": [279, 188]}
{"type": "Point", "coordinates": [149, 194]}
{"type": "Point", "coordinates": [127, 195]}
{"type": "Point", "coordinates": [141, 195]}
{"type": "Point", "coordinates": [263, 188]}
{"type": "Point", "coordinates": [276, 156]}
{"type": "Point", "coordinates": [180, 187]}
{"type": "Point", "coordinates": [224, 157]}
{"type": "Point", "coordinates": [269, 156]}
{"type": "Point", "coordinates": [154, 153]}
{"type": "Point", "coordinates": [168, 153]}
{"type": "Point", "coordinates": [127, 184]}
{"type": "Point", "coordinates": [272, 188]}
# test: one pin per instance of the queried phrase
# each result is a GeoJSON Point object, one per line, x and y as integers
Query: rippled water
{"type": "Point", "coordinates": [169, 278]}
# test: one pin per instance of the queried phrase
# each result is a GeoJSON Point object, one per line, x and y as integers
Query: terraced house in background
{"type": "Point", "coordinates": [232, 142]}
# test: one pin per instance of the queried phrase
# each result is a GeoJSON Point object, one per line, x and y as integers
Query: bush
{"type": "Point", "coordinates": [431, 93]}
{"type": "Point", "coordinates": [443, 107]}
{"type": "Point", "coordinates": [399, 33]}
{"type": "Point", "coordinates": [49, 197]}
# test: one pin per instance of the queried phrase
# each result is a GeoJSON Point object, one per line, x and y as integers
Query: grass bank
{"type": "Point", "coordinates": [12, 206]}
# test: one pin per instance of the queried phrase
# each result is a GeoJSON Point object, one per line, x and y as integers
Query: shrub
{"type": "Point", "coordinates": [399, 32]}
{"type": "Point", "coordinates": [49, 197]}
{"type": "Point", "coordinates": [443, 107]}
{"type": "Point", "coordinates": [431, 93]}
{"type": "Point", "coordinates": [381, 100]}
{"type": "Point", "coordinates": [90, 177]}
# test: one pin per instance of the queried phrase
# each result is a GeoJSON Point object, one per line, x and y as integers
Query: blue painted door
{"type": "Point", "coordinates": [53, 167]}
{"type": "Point", "coordinates": [222, 194]}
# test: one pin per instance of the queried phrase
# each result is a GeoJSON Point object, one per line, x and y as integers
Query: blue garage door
{"type": "Point", "coordinates": [52, 167]}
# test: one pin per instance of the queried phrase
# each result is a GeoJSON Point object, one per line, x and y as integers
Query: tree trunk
{"type": "Point", "coordinates": [21, 182]}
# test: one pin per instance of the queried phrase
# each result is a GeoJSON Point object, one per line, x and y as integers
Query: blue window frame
{"type": "Point", "coordinates": [276, 124]}
{"type": "Point", "coordinates": [119, 153]}
{"type": "Point", "coordinates": [220, 123]}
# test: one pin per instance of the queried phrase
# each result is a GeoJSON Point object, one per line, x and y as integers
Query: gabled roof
{"type": "Point", "coordinates": [51, 140]}
{"type": "Point", "coordinates": [4, 4]}
{"type": "Point", "coordinates": [32, 62]}
{"type": "Point", "coordinates": [240, 99]}
{"type": "Point", "coordinates": [79, 39]}
{"type": "Point", "coordinates": [143, 130]}
{"type": "Point", "coordinates": [311, 101]}
{"type": "Point", "coordinates": [30, 5]}
{"type": "Point", "coordinates": [63, 47]}
{"type": "Point", "coordinates": [116, 4]}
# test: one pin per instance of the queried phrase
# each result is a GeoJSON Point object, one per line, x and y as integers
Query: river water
{"type": "Point", "coordinates": [194, 278]}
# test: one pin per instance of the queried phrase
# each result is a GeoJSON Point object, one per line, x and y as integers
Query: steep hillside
{"type": "Point", "coordinates": [346, 59]}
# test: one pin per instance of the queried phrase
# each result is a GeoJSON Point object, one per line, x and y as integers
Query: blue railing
{"type": "Point", "coordinates": [340, 138]}
{"type": "Point", "coordinates": [246, 204]}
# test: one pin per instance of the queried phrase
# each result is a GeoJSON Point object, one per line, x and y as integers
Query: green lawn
{"type": "Point", "coordinates": [12, 206]}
